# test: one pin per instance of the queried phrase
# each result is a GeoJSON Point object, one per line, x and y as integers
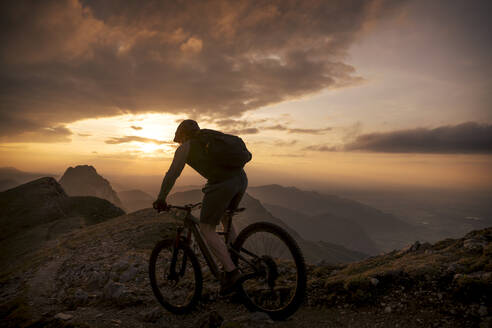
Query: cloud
{"type": "Point", "coordinates": [244, 126]}
{"type": "Point", "coordinates": [239, 127]}
{"type": "Point", "coordinates": [193, 46]}
{"type": "Point", "coordinates": [47, 135]}
{"type": "Point", "coordinates": [243, 131]}
{"type": "Point", "coordinates": [126, 139]}
{"type": "Point", "coordinates": [283, 143]}
{"type": "Point", "coordinates": [229, 123]}
{"type": "Point", "coordinates": [62, 61]}
{"type": "Point", "coordinates": [467, 137]}
{"type": "Point", "coordinates": [309, 131]}
{"type": "Point", "coordinates": [289, 155]}
{"type": "Point", "coordinates": [321, 148]}
{"type": "Point", "coordinates": [84, 134]}
{"type": "Point", "coordinates": [280, 127]}
{"type": "Point", "coordinates": [13, 129]}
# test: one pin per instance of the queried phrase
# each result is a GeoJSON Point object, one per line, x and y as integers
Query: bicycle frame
{"type": "Point", "coordinates": [214, 268]}
{"type": "Point", "coordinates": [192, 224]}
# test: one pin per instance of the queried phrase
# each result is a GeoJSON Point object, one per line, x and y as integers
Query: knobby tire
{"type": "Point", "coordinates": [191, 256]}
{"type": "Point", "coordinates": [298, 298]}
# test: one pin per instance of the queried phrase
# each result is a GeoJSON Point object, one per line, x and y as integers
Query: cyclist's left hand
{"type": "Point", "coordinates": [160, 205]}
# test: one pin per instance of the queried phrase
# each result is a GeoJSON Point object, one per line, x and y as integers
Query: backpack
{"type": "Point", "coordinates": [224, 149]}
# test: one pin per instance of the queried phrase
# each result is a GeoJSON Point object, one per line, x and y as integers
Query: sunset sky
{"type": "Point", "coordinates": [356, 92]}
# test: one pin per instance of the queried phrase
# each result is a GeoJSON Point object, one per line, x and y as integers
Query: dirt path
{"type": "Point", "coordinates": [237, 316]}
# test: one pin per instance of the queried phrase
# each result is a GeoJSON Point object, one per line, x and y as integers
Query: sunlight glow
{"type": "Point", "coordinates": [146, 134]}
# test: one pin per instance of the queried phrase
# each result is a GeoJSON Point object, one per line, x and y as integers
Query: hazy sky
{"type": "Point", "coordinates": [394, 92]}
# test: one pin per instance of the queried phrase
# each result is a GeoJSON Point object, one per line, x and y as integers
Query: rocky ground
{"type": "Point", "coordinates": [97, 277]}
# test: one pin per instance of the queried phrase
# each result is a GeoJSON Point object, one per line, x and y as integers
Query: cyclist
{"type": "Point", "coordinates": [224, 190]}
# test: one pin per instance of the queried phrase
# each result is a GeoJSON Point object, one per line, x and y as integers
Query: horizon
{"type": "Point", "coordinates": [190, 179]}
{"type": "Point", "coordinates": [374, 95]}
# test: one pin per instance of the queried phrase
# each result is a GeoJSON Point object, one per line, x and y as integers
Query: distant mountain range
{"type": "Point", "coordinates": [326, 227]}
{"type": "Point", "coordinates": [135, 199]}
{"type": "Point", "coordinates": [39, 211]}
{"type": "Point", "coordinates": [313, 216]}
{"type": "Point", "coordinates": [341, 220]}
{"type": "Point", "coordinates": [82, 180]}
{"type": "Point", "coordinates": [255, 211]}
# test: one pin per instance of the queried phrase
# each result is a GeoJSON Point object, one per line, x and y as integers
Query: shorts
{"type": "Point", "coordinates": [222, 196]}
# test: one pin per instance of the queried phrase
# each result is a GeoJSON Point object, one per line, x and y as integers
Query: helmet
{"type": "Point", "coordinates": [186, 129]}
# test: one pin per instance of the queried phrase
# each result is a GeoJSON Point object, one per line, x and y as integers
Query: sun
{"type": "Point", "coordinates": [154, 126]}
{"type": "Point", "coordinates": [148, 147]}
{"type": "Point", "coordinates": [149, 134]}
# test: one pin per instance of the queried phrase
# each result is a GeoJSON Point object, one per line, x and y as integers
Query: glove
{"type": "Point", "coordinates": [160, 205]}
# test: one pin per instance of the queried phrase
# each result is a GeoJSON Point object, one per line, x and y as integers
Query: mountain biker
{"type": "Point", "coordinates": [224, 190]}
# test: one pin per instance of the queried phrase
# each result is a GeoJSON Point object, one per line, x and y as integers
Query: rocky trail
{"type": "Point", "coordinates": [97, 277]}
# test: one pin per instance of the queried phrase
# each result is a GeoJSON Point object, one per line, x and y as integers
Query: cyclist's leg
{"type": "Point", "coordinates": [234, 203]}
{"type": "Point", "coordinates": [217, 246]}
{"type": "Point", "coordinates": [232, 230]}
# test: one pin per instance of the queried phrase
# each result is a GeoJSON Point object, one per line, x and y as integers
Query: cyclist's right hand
{"type": "Point", "coordinates": [160, 205]}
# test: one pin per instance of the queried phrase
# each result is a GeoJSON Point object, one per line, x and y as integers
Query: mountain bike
{"type": "Point", "coordinates": [273, 267]}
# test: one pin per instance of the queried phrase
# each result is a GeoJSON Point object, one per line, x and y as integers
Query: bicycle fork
{"type": "Point", "coordinates": [173, 275]}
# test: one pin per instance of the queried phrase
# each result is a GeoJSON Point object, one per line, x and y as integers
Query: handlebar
{"type": "Point", "coordinates": [185, 207]}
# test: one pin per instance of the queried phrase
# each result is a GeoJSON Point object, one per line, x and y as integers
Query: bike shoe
{"type": "Point", "coordinates": [230, 282]}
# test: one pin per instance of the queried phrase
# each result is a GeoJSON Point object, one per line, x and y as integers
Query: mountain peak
{"type": "Point", "coordinates": [88, 169]}
{"type": "Point", "coordinates": [83, 180]}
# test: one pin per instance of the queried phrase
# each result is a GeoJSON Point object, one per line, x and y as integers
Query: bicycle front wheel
{"type": "Point", "coordinates": [177, 286]}
{"type": "Point", "coordinates": [272, 260]}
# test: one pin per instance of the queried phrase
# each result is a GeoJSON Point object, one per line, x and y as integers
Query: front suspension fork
{"type": "Point", "coordinates": [173, 275]}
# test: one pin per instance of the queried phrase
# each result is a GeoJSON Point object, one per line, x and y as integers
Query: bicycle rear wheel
{"type": "Point", "coordinates": [276, 270]}
{"type": "Point", "coordinates": [178, 289]}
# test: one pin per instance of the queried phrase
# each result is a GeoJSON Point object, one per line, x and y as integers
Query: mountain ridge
{"type": "Point", "coordinates": [11, 177]}
{"type": "Point", "coordinates": [135, 199]}
{"type": "Point", "coordinates": [38, 211]}
{"type": "Point", "coordinates": [386, 230]}
{"type": "Point", "coordinates": [326, 228]}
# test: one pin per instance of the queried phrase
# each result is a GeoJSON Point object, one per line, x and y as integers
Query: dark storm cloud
{"type": "Point", "coordinates": [125, 139]}
{"type": "Point", "coordinates": [63, 60]}
{"type": "Point", "coordinates": [468, 137]}
{"type": "Point", "coordinates": [16, 129]}
{"type": "Point", "coordinates": [54, 134]}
